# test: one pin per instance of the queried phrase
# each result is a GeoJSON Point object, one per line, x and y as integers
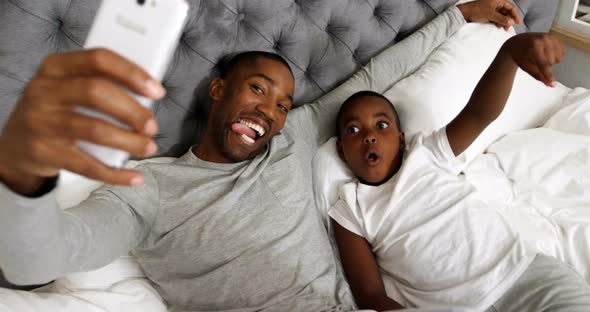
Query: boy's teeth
{"type": "Point", "coordinates": [248, 139]}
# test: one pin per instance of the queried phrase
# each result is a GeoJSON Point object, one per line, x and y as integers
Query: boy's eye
{"type": "Point", "coordinates": [382, 125]}
{"type": "Point", "coordinates": [352, 130]}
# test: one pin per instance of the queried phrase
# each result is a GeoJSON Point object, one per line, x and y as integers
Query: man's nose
{"type": "Point", "coordinates": [370, 139]}
{"type": "Point", "coordinates": [267, 108]}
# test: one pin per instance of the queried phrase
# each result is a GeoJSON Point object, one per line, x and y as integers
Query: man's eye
{"type": "Point", "coordinates": [257, 89]}
{"type": "Point", "coordinates": [352, 130]}
{"type": "Point", "coordinates": [382, 125]}
{"type": "Point", "coordinates": [282, 107]}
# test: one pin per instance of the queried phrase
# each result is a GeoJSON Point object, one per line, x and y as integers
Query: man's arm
{"type": "Point", "coordinates": [362, 271]}
{"type": "Point", "coordinates": [534, 53]}
{"type": "Point", "coordinates": [317, 120]}
{"type": "Point", "coordinates": [40, 242]}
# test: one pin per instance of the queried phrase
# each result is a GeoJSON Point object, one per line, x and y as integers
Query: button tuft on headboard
{"type": "Point", "coordinates": [324, 41]}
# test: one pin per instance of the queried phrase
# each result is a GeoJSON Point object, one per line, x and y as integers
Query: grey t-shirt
{"type": "Point", "coordinates": [244, 236]}
{"type": "Point", "coordinates": [219, 236]}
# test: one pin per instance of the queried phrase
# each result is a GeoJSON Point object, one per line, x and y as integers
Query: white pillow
{"type": "Point", "coordinates": [431, 97]}
{"type": "Point", "coordinates": [329, 172]}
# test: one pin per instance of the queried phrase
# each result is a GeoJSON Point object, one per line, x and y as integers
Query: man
{"type": "Point", "coordinates": [232, 223]}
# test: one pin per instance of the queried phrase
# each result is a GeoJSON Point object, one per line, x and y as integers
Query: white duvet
{"type": "Point", "coordinates": [540, 179]}
{"type": "Point", "coordinates": [130, 295]}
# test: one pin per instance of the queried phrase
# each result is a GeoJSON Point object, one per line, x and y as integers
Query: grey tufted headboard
{"type": "Point", "coordinates": [325, 41]}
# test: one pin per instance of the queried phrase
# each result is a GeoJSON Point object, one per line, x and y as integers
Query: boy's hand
{"type": "Point", "coordinates": [500, 12]}
{"type": "Point", "coordinates": [536, 53]}
{"type": "Point", "coordinates": [533, 52]}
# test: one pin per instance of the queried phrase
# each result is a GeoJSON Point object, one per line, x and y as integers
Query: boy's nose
{"type": "Point", "coordinates": [369, 140]}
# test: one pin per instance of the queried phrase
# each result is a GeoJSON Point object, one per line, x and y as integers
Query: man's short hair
{"type": "Point", "coordinates": [231, 62]}
{"type": "Point", "coordinates": [359, 94]}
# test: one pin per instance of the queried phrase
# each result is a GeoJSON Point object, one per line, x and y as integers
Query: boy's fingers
{"type": "Point", "coordinates": [533, 70]}
{"type": "Point", "coordinates": [561, 50]}
{"type": "Point", "coordinates": [536, 74]}
{"type": "Point", "coordinates": [550, 55]}
{"type": "Point", "coordinates": [102, 62]}
{"type": "Point", "coordinates": [547, 73]}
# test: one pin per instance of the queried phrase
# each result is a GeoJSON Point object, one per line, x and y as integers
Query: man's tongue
{"type": "Point", "coordinates": [242, 129]}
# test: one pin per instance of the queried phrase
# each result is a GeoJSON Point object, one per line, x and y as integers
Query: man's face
{"type": "Point", "coordinates": [250, 107]}
{"type": "Point", "coordinates": [370, 141]}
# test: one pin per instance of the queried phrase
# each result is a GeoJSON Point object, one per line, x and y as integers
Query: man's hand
{"type": "Point", "coordinates": [536, 53]}
{"type": "Point", "coordinates": [40, 136]}
{"type": "Point", "coordinates": [500, 12]}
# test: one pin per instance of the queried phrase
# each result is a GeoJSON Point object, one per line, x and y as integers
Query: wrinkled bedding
{"type": "Point", "coordinates": [540, 179]}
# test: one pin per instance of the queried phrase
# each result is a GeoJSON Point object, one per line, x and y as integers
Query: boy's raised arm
{"type": "Point", "coordinates": [535, 53]}
{"type": "Point", "coordinates": [362, 271]}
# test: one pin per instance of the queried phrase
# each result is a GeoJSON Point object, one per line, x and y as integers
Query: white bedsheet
{"type": "Point", "coordinates": [540, 180]}
{"type": "Point", "coordinates": [118, 287]}
{"type": "Point", "coordinates": [130, 295]}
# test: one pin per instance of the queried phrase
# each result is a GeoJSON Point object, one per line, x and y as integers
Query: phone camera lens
{"type": "Point", "coordinates": [141, 2]}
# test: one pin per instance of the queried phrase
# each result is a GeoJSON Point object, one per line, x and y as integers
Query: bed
{"type": "Point", "coordinates": [325, 42]}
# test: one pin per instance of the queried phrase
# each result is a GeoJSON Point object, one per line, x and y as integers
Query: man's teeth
{"type": "Point", "coordinates": [248, 139]}
{"type": "Point", "coordinates": [253, 126]}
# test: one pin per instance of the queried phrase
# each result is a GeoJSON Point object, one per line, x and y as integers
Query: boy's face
{"type": "Point", "coordinates": [370, 142]}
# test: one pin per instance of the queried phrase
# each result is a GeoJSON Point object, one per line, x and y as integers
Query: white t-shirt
{"type": "Point", "coordinates": [435, 242]}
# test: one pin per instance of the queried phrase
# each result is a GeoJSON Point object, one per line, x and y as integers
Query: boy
{"type": "Point", "coordinates": [411, 233]}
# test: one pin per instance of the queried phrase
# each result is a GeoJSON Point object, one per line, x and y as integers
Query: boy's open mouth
{"type": "Point", "coordinates": [249, 130]}
{"type": "Point", "coordinates": [372, 157]}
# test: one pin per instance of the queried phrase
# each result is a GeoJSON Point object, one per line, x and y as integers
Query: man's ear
{"type": "Point", "coordinates": [339, 149]}
{"type": "Point", "coordinates": [216, 90]}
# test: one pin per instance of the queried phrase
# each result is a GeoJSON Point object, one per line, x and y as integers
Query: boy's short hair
{"type": "Point", "coordinates": [232, 61]}
{"type": "Point", "coordinates": [359, 94]}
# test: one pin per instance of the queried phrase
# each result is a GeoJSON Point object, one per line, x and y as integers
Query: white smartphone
{"type": "Point", "coordinates": [146, 32]}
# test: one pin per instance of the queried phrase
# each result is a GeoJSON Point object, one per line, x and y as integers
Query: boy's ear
{"type": "Point", "coordinates": [339, 149]}
{"type": "Point", "coordinates": [216, 90]}
{"type": "Point", "coordinates": [402, 138]}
